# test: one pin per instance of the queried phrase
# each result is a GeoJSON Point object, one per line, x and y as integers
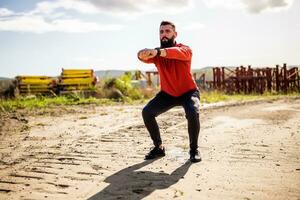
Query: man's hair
{"type": "Point", "coordinates": [163, 23]}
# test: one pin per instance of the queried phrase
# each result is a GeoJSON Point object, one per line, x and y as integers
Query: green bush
{"type": "Point", "coordinates": [123, 84]}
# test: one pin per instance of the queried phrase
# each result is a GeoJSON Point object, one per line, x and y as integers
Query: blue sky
{"type": "Point", "coordinates": [41, 37]}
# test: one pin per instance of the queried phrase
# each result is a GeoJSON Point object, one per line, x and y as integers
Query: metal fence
{"type": "Point", "coordinates": [253, 80]}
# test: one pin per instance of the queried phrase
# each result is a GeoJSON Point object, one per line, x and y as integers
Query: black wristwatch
{"type": "Point", "coordinates": [158, 51]}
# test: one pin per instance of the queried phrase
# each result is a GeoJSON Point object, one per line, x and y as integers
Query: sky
{"type": "Point", "coordinates": [42, 37]}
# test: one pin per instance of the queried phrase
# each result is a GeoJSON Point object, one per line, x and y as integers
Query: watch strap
{"type": "Point", "coordinates": [158, 51]}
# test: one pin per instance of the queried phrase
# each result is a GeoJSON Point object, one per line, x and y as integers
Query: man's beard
{"type": "Point", "coordinates": [168, 43]}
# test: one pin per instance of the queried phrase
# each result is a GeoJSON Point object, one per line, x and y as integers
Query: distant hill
{"type": "Point", "coordinates": [109, 73]}
{"type": "Point", "coordinates": [206, 70]}
{"type": "Point", "coordinates": [118, 73]}
{"type": "Point", "coordinates": [4, 78]}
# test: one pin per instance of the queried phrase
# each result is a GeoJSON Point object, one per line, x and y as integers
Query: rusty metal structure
{"type": "Point", "coordinates": [255, 80]}
{"type": "Point", "coordinates": [150, 75]}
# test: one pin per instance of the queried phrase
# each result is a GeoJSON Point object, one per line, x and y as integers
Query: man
{"type": "Point", "coordinates": [178, 88]}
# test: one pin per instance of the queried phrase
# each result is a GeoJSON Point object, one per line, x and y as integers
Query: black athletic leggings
{"type": "Point", "coordinates": [162, 102]}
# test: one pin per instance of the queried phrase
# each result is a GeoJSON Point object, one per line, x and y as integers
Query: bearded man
{"type": "Point", "coordinates": [178, 88]}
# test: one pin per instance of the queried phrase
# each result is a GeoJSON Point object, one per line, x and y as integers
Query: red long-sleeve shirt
{"type": "Point", "coordinates": [175, 70]}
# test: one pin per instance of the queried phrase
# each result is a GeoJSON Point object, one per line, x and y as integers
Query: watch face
{"type": "Point", "coordinates": [158, 51]}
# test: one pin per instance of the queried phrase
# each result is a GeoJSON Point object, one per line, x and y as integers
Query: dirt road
{"type": "Point", "coordinates": [250, 151]}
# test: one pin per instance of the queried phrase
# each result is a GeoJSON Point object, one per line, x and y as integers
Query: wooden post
{"type": "Point", "coordinates": [223, 78]}
{"type": "Point", "coordinates": [214, 78]}
{"type": "Point", "coordinates": [298, 79]}
{"type": "Point", "coordinates": [250, 81]}
{"type": "Point", "coordinates": [158, 80]}
{"type": "Point", "coordinates": [243, 76]}
{"type": "Point", "coordinates": [269, 78]}
{"type": "Point", "coordinates": [285, 81]}
{"type": "Point", "coordinates": [203, 80]}
{"type": "Point", "coordinates": [277, 78]}
{"type": "Point", "coordinates": [237, 83]}
{"type": "Point", "coordinates": [149, 81]}
{"type": "Point", "coordinates": [218, 78]}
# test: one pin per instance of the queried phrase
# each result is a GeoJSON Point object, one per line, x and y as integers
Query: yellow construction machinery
{"type": "Point", "coordinates": [76, 79]}
{"type": "Point", "coordinates": [35, 84]}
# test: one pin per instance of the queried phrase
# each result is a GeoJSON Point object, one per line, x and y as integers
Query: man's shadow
{"type": "Point", "coordinates": [134, 185]}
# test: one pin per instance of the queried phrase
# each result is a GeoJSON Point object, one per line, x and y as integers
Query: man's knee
{"type": "Point", "coordinates": [192, 113]}
{"type": "Point", "coordinates": [147, 112]}
{"type": "Point", "coordinates": [192, 108]}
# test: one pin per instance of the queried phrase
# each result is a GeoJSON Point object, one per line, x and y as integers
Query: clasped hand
{"type": "Point", "coordinates": [146, 54]}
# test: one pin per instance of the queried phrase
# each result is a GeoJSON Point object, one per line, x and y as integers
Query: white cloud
{"type": "Point", "coordinates": [48, 7]}
{"type": "Point", "coordinates": [252, 6]}
{"type": "Point", "coordinates": [37, 24]}
{"type": "Point", "coordinates": [230, 4]}
{"type": "Point", "coordinates": [274, 5]}
{"type": "Point", "coordinates": [134, 7]}
{"type": "Point", "coordinates": [193, 26]}
{"type": "Point", "coordinates": [77, 26]}
{"type": "Point", "coordinates": [46, 17]}
{"type": "Point", "coordinates": [5, 12]}
{"type": "Point", "coordinates": [49, 16]}
{"type": "Point", "coordinates": [115, 7]}
{"type": "Point", "coordinates": [25, 24]}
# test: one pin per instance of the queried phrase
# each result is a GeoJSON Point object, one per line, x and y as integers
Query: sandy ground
{"type": "Point", "coordinates": [249, 151]}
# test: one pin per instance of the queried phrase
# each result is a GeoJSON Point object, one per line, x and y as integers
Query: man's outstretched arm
{"type": "Point", "coordinates": [147, 55]}
{"type": "Point", "coordinates": [179, 53]}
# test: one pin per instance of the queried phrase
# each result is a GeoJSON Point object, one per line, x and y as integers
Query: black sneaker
{"type": "Point", "coordinates": [195, 156]}
{"type": "Point", "coordinates": [155, 153]}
